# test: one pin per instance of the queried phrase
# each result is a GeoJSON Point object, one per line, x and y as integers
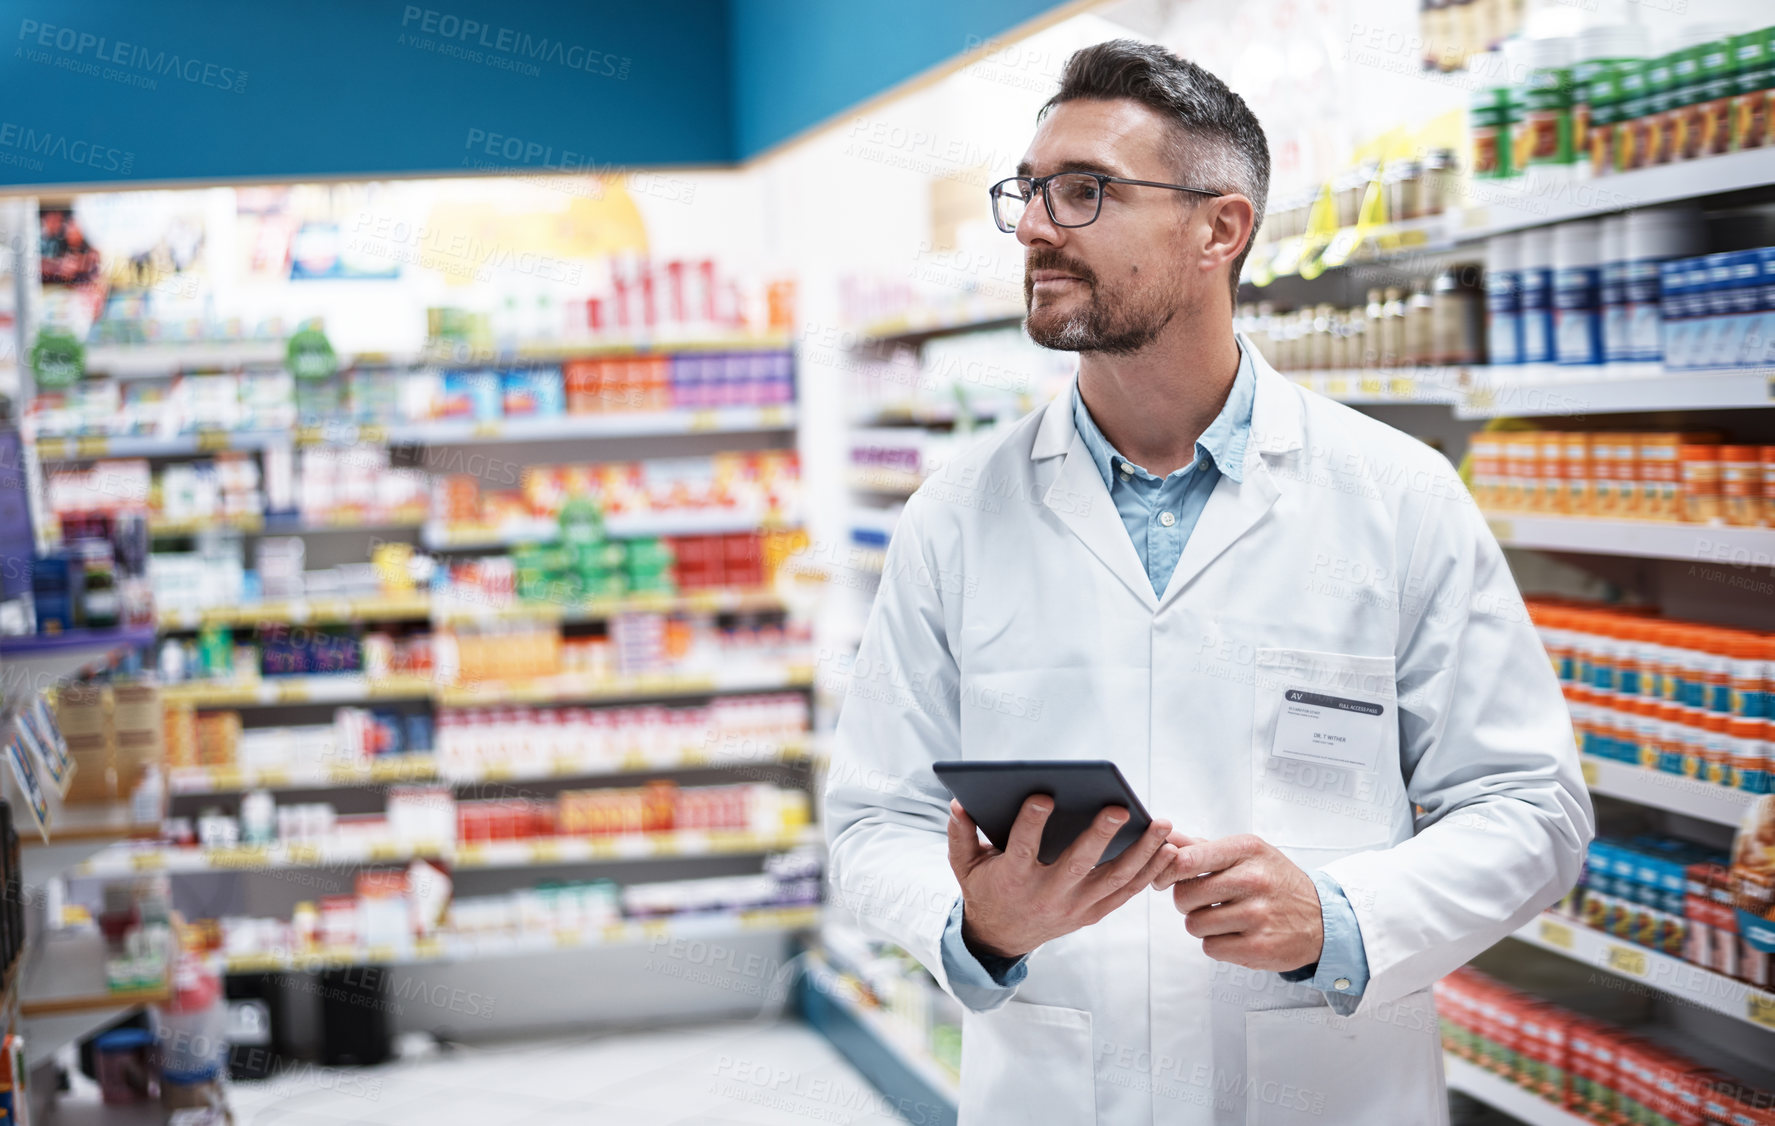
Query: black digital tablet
{"type": "Point", "coordinates": [994, 792]}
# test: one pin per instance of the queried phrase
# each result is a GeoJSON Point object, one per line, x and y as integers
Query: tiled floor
{"type": "Point", "coordinates": [698, 1076]}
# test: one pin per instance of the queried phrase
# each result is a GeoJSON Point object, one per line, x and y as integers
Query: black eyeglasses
{"type": "Point", "coordinates": [1073, 199]}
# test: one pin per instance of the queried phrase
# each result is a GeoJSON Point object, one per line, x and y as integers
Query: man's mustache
{"type": "Point", "coordinates": [1054, 260]}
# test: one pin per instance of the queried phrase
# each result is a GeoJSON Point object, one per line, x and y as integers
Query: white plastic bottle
{"type": "Point", "coordinates": [1577, 309]}
{"type": "Point", "coordinates": [1654, 235]}
{"type": "Point", "coordinates": [1503, 302]}
{"type": "Point", "coordinates": [1534, 264]}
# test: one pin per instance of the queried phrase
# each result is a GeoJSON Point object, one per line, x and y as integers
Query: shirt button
{"type": "Point", "coordinates": [1341, 984]}
{"type": "Point", "coordinates": [1125, 473]}
{"type": "Point", "coordinates": [1167, 519]}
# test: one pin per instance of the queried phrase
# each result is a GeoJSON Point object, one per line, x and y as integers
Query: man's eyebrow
{"type": "Point", "coordinates": [1025, 168]}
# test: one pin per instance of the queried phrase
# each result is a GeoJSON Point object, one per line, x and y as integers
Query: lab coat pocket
{"type": "Point", "coordinates": [1027, 1063]}
{"type": "Point", "coordinates": [1325, 751]}
{"type": "Point", "coordinates": [1311, 1066]}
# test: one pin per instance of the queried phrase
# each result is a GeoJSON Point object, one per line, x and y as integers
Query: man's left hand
{"type": "Point", "coordinates": [1251, 905]}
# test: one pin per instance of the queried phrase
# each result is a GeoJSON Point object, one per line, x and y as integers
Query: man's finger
{"type": "Point", "coordinates": [965, 849]}
{"type": "Point", "coordinates": [1127, 867]}
{"type": "Point", "coordinates": [1026, 832]}
{"type": "Point", "coordinates": [1229, 886]}
{"type": "Point", "coordinates": [1083, 854]}
{"type": "Point", "coordinates": [1214, 856]}
{"type": "Point", "coordinates": [1231, 918]}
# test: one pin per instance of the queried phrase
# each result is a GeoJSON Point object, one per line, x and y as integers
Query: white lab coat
{"type": "Point", "coordinates": [1015, 621]}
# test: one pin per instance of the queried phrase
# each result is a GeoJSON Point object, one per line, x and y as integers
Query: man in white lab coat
{"type": "Point", "coordinates": [1190, 566]}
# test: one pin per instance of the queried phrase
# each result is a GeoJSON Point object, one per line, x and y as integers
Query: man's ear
{"type": "Point", "coordinates": [1229, 219]}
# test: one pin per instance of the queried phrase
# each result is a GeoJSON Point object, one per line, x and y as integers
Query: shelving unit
{"type": "Point", "coordinates": [1642, 539]}
{"type": "Point", "coordinates": [909, 1076]}
{"type": "Point", "coordinates": [1673, 793]}
{"type": "Point", "coordinates": [1523, 1105]}
{"type": "Point", "coordinates": [1547, 389]}
{"type": "Point", "coordinates": [527, 853]}
{"type": "Point", "coordinates": [448, 948]}
{"type": "Point", "coordinates": [1683, 982]}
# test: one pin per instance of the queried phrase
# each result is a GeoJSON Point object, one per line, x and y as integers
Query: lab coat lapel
{"type": "Point", "coordinates": [1077, 496]}
{"type": "Point", "coordinates": [1235, 507]}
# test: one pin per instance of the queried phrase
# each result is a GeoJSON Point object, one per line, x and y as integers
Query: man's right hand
{"type": "Point", "coordinates": [1012, 903]}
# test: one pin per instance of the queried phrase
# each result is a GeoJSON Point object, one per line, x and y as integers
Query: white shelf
{"type": "Point", "coordinates": [572, 427]}
{"type": "Point", "coordinates": [1673, 792]}
{"type": "Point", "coordinates": [1682, 981]}
{"type": "Point", "coordinates": [1536, 200]}
{"type": "Point", "coordinates": [1403, 386]}
{"type": "Point", "coordinates": [426, 768]}
{"type": "Point", "coordinates": [1645, 539]}
{"type": "Point", "coordinates": [889, 482]}
{"type": "Point", "coordinates": [695, 522]}
{"type": "Point", "coordinates": [321, 688]}
{"type": "Point", "coordinates": [1501, 1094]}
{"type": "Point", "coordinates": [149, 361]}
{"type": "Point", "coordinates": [529, 853]}
{"type": "Point", "coordinates": [462, 948]}
{"type": "Point", "coordinates": [1547, 389]}
{"type": "Point", "coordinates": [883, 1028]}
{"type": "Point", "coordinates": [612, 424]}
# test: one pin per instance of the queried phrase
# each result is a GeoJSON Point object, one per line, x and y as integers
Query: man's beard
{"type": "Point", "coordinates": [1120, 326]}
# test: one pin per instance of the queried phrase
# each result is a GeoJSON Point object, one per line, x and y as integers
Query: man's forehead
{"type": "Point", "coordinates": [1120, 137]}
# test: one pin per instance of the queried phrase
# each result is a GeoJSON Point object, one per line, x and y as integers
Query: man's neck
{"type": "Point", "coordinates": [1155, 404]}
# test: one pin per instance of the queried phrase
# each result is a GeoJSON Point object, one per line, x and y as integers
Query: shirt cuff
{"type": "Point", "coordinates": [1341, 973]}
{"type": "Point", "coordinates": [981, 982]}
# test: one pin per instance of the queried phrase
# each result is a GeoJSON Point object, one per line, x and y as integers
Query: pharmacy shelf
{"type": "Point", "coordinates": [542, 351]}
{"type": "Point", "coordinates": [150, 361]}
{"type": "Point", "coordinates": [905, 1072]}
{"type": "Point", "coordinates": [346, 688]}
{"type": "Point", "coordinates": [636, 525]}
{"type": "Point", "coordinates": [912, 413]}
{"type": "Point", "coordinates": [91, 824]}
{"type": "Point", "coordinates": [447, 948]}
{"type": "Point", "coordinates": [1535, 201]}
{"type": "Point", "coordinates": [64, 994]}
{"type": "Point", "coordinates": [1683, 982]}
{"type": "Point", "coordinates": [426, 768]}
{"type": "Point", "coordinates": [1353, 246]}
{"type": "Point", "coordinates": [916, 329]}
{"type": "Point", "coordinates": [1402, 387]}
{"type": "Point", "coordinates": [1518, 1102]}
{"type": "Point", "coordinates": [341, 688]}
{"type": "Point", "coordinates": [712, 601]}
{"type": "Point", "coordinates": [1646, 539]}
{"type": "Point", "coordinates": [530, 853]}
{"type": "Point", "coordinates": [1547, 389]}
{"type": "Point", "coordinates": [86, 648]}
{"type": "Point", "coordinates": [889, 482]}
{"type": "Point", "coordinates": [254, 523]}
{"type": "Point", "coordinates": [87, 447]}
{"type": "Point", "coordinates": [1676, 793]}
{"type": "Point", "coordinates": [158, 361]}
{"type": "Point", "coordinates": [611, 424]}
{"type": "Point", "coordinates": [300, 611]}
{"type": "Point", "coordinates": [568, 687]}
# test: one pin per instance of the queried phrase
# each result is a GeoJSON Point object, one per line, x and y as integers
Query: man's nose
{"type": "Point", "coordinates": [1036, 226]}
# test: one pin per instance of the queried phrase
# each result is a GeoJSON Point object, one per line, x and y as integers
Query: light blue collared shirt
{"type": "Point", "coordinates": [1160, 514]}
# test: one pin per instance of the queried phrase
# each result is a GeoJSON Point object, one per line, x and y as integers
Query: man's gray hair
{"type": "Point", "coordinates": [1217, 141]}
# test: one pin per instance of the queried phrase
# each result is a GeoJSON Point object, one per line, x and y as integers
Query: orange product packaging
{"type": "Point", "coordinates": [1741, 485]}
{"type": "Point", "coordinates": [1659, 475]}
{"type": "Point", "coordinates": [1550, 463]}
{"type": "Point", "coordinates": [1700, 476]}
{"type": "Point", "coordinates": [1481, 449]}
{"type": "Point", "coordinates": [1510, 497]}
{"type": "Point", "coordinates": [1604, 465]}
{"type": "Point", "coordinates": [461, 498]}
{"type": "Point", "coordinates": [580, 380]}
{"type": "Point", "coordinates": [1768, 464]}
{"type": "Point", "coordinates": [1580, 492]}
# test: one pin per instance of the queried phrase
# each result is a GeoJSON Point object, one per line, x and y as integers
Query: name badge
{"type": "Point", "coordinates": [1334, 730]}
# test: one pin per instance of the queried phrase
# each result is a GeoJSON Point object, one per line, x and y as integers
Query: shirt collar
{"type": "Point", "coordinates": [1223, 443]}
